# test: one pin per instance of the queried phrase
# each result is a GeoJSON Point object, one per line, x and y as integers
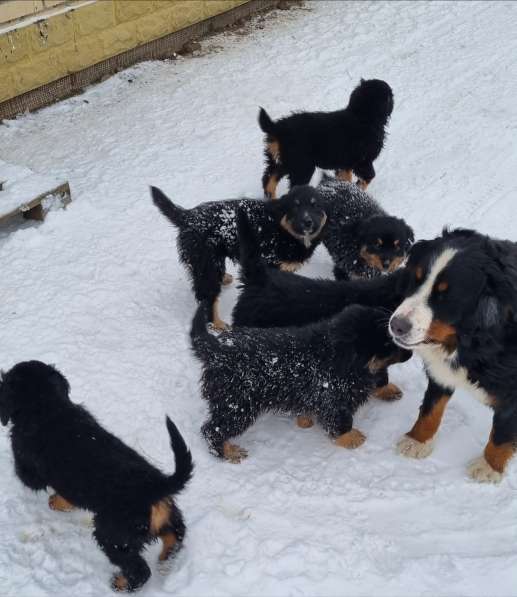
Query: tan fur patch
{"type": "Point", "coordinates": [362, 184]}
{"type": "Point", "coordinates": [427, 425]}
{"type": "Point", "coordinates": [234, 453]}
{"type": "Point", "coordinates": [273, 148]}
{"type": "Point", "coordinates": [419, 273]}
{"type": "Point", "coordinates": [442, 286]}
{"type": "Point", "coordinates": [120, 583]}
{"type": "Point", "coordinates": [290, 266]}
{"type": "Point", "coordinates": [442, 333]}
{"type": "Point", "coordinates": [371, 259]}
{"type": "Point", "coordinates": [395, 262]}
{"type": "Point", "coordinates": [304, 421]}
{"type": "Point", "coordinates": [56, 502]}
{"type": "Point", "coordinates": [270, 188]}
{"type": "Point", "coordinates": [389, 392]}
{"type": "Point", "coordinates": [498, 456]}
{"type": "Point", "coordinates": [345, 175]}
{"type": "Point", "coordinates": [169, 541]}
{"type": "Point", "coordinates": [160, 516]}
{"type": "Point", "coordinates": [352, 439]}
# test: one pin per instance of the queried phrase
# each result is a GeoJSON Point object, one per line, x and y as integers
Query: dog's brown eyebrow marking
{"type": "Point", "coordinates": [419, 273]}
{"type": "Point", "coordinates": [442, 286]}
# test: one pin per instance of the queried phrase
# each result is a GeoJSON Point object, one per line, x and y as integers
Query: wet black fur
{"type": "Point", "coordinates": [481, 304]}
{"type": "Point", "coordinates": [319, 370]}
{"type": "Point", "coordinates": [347, 139]}
{"type": "Point", "coordinates": [59, 444]}
{"type": "Point", "coordinates": [208, 233]}
{"type": "Point", "coordinates": [356, 220]}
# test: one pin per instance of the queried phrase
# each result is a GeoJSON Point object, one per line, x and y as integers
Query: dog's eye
{"type": "Point", "coordinates": [396, 243]}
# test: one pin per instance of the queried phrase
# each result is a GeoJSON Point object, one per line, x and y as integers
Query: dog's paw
{"type": "Point", "coordinates": [481, 471]}
{"type": "Point", "coordinates": [119, 583]}
{"type": "Point", "coordinates": [351, 440]}
{"type": "Point", "coordinates": [227, 279]}
{"type": "Point", "coordinates": [304, 421]}
{"type": "Point", "coordinates": [234, 453]}
{"type": "Point", "coordinates": [390, 392]}
{"type": "Point", "coordinates": [411, 448]}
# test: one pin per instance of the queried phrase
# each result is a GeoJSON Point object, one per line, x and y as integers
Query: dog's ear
{"type": "Point", "coordinates": [410, 237]}
{"type": "Point", "coordinates": [6, 406]}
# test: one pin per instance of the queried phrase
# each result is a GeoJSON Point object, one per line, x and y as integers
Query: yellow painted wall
{"type": "Point", "coordinates": [42, 52]}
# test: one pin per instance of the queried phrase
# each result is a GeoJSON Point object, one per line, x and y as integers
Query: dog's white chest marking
{"type": "Point", "coordinates": [440, 366]}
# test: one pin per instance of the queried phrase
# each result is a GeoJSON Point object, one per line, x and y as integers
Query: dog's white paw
{"type": "Point", "coordinates": [411, 448]}
{"type": "Point", "coordinates": [481, 471]}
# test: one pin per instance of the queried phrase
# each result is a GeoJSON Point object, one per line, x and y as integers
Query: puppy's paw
{"type": "Point", "coordinates": [58, 503]}
{"type": "Point", "coordinates": [351, 440]}
{"type": "Point", "coordinates": [119, 583]}
{"type": "Point", "coordinates": [234, 453]}
{"type": "Point", "coordinates": [227, 279]}
{"type": "Point", "coordinates": [304, 421]}
{"type": "Point", "coordinates": [481, 471]}
{"type": "Point", "coordinates": [389, 393]}
{"type": "Point", "coordinates": [411, 448]}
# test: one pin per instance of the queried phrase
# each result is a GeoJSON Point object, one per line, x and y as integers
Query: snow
{"type": "Point", "coordinates": [98, 290]}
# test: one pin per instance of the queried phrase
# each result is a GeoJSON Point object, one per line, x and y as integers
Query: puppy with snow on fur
{"type": "Point", "coordinates": [326, 371]}
{"type": "Point", "coordinates": [362, 239]}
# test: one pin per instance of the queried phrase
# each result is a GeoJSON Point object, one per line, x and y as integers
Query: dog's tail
{"type": "Point", "coordinates": [253, 267]}
{"type": "Point", "coordinates": [183, 458]}
{"type": "Point", "coordinates": [172, 212]}
{"type": "Point", "coordinates": [265, 123]}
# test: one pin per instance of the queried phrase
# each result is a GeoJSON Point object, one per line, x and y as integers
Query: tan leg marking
{"type": "Point", "coordinates": [234, 453]}
{"type": "Point", "coordinates": [427, 425]}
{"type": "Point", "coordinates": [217, 322]}
{"type": "Point", "coordinates": [352, 439]}
{"type": "Point", "coordinates": [290, 266]}
{"type": "Point", "coordinates": [389, 393]}
{"type": "Point", "coordinates": [227, 279]}
{"type": "Point", "coordinates": [120, 583]}
{"type": "Point", "coordinates": [498, 456]}
{"type": "Point", "coordinates": [272, 183]}
{"type": "Point", "coordinates": [169, 541]}
{"type": "Point", "coordinates": [362, 184]}
{"type": "Point", "coordinates": [56, 502]}
{"type": "Point", "coordinates": [160, 516]}
{"type": "Point", "coordinates": [304, 421]}
{"type": "Point", "coordinates": [345, 175]}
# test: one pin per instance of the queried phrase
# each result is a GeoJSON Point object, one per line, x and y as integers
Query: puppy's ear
{"type": "Point", "coordinates": [410, 237]}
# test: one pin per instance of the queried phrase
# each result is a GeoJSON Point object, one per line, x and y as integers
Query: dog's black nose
{"type": "Point", "coordinates": [307, 224]}
{"type": "Point", "coordinates": [400, 326]}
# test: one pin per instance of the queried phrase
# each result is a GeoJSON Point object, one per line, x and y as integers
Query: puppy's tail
{"type": "Point", "coordinates": [183, 457]}
{"type": "Point", "coordinates": [253, 268]}
{"type": "Point", "coordinates": [265, 123]}
{"type": "Point", "coordinates": [172, 212]}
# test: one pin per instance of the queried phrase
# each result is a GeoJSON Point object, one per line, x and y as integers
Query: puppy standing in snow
{"type": "Point", "coordinates": [347, 141]}
{"type": "Point", "coordinates": [59, 444]}
{"type": "Point", "coordinates": [326, 370]}
{"type": "Point", "coordinates": [288, 232]}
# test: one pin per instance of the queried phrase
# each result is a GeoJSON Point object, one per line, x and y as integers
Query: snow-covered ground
{"type": "Point", "coordinates": [97, 289]}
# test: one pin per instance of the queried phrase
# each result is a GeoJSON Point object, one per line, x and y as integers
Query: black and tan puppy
{"type": "Point", "coordinates": [288, 232]}
{"type": "Point", "coordinates": [459, 315]}
{"type": "Point", "coordinates": [362, 239]}
{"type": "Point", "coordinates": [59, 444]}
{"type": "Point", "coordinates": [348, 140]}
{"type": "Point", "coordinates": [326, 370]}
{"type": "Point", "coordinates": [270, 298]}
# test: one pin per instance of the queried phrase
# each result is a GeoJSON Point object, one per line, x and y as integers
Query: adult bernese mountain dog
{"type": "Point", "coordinates": [59, 444]}
{"type": "Point", "coordinates": [459, 314]}
{"type": "Point", "coordinates": [347, 141]}
{"type": "Point", "coordinates": [288, 232]}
